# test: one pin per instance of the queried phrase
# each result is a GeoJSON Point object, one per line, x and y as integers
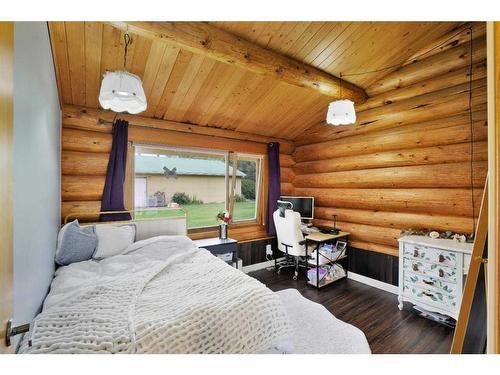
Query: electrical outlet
{"type": "Point", "coordinates": [269, 250]}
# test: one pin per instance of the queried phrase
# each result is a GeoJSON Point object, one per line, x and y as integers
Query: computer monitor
{"type": "Point", "coordinates": [302, 205]}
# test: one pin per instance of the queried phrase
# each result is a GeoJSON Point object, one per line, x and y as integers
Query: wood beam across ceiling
{"type": "Point", "coordinates": [207, 40]}
{"type": "Point", "coordinates": [91, 119]}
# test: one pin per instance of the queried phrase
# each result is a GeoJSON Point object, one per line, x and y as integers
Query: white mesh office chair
{"type": "Point", "coordinates": [290, 239]}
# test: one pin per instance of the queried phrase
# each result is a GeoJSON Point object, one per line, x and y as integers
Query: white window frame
{"type": "Point", "coordinates": [258, 183]}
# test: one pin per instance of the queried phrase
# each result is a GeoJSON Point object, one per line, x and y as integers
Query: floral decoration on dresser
{"type": "Point", "coordinates": [449, 235]}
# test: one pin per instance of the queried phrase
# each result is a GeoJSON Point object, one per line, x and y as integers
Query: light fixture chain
{"type": "Point", "coordinates": [126, 38]}
{"type": "Point", "coordinates": [340, 85]}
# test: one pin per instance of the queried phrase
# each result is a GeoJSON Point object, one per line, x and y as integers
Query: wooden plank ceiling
{"type": "Point", "coordinates": [190, 88]}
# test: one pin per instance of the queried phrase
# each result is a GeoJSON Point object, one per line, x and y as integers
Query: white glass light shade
{"type": "Point", "coordinates": [341, 112]}
{"type": "Point", "coordinates": [122, 92]}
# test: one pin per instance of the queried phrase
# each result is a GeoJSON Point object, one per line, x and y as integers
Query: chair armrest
{"type": "Point", "coordinates": [303, 242]}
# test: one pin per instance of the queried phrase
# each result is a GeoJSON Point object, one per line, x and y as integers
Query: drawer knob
{"type": "Point", "coordinates": [441, 258]}
{"type": "Point", "coordinates": [441, 273]}
{"type": "Point", "coordinates": [415, 253]}
{"type": "Point", "coordinates": [428, 282]}
{"type": "Point", "coordinates": [415, 267]}
{"type": "Point", "coordinates": [428, 294]}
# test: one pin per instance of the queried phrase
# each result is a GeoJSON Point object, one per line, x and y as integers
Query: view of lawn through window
{"type": "Point", "coordinates": [197, 182]}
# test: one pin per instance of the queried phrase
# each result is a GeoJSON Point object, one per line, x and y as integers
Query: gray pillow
{"type": "Point", "coordinates": [75, 244]}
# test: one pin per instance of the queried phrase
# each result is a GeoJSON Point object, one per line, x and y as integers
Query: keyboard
{"type": "Point", "coordinates": [306, 229]}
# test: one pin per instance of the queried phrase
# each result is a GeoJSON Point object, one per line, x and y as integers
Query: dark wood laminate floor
{"type": "Point", "coordinates": [372, 310]}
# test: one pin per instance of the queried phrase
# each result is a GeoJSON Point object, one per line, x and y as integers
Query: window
{"type": "Point", "coordinates": [201, 182]}
{"type": "Point", "coordinates": [246, 195]}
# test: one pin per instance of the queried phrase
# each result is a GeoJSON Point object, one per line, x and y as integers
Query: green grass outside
{"type": "Point", "coordinates": [203, 215]}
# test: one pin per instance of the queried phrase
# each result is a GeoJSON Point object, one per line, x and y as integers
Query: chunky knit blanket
{"type": "Point", "coordinates": [164, 295]}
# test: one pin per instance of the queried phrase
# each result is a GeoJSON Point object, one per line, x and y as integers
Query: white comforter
{"type": "Point", "coordinates": [163, 295]}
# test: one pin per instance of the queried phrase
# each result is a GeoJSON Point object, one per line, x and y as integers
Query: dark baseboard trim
{"type": "Point", "coordinates": [377, 266]}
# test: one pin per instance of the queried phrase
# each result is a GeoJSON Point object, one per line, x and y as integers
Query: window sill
{"type": "Point", "coordinates": [237, 231]}
{"type": "Point", "coordinates": [239, 224]}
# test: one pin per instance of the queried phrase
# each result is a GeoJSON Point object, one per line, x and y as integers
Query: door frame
{"type": "Point", "coordinates": [6, 181]}
{"type": "Point", "coordinates": [493, 266]}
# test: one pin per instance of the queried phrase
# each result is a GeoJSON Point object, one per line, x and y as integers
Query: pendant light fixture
{"type": "Point", "coordinates": [122, 91]}
{"type": "Point", "coordinates": [341, 112]}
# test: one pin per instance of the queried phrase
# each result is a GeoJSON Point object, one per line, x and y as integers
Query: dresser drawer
{"type": "Point", "coordinates": [430, 283]}
{"type": "Point", "coordinates": [436, 271]}
{"type": "Point", "coordinates": [430, 297]}
{"type": "Point", "coordinates": [430, 254]}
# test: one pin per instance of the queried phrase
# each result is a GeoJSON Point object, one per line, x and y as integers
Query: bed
{"type": "Point", "coordinates": [165, 295]}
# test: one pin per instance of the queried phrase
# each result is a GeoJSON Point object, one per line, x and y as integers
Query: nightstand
{"type": "Point", "coordinates": [227, 249]}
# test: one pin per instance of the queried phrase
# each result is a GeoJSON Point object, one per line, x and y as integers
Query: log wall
{"type": "Point", "coordinates": [406, 162]}
{"type": "Point", "coordinates": [86, 144]}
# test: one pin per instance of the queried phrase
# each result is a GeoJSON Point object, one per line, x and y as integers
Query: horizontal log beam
{"type": "Point", "coordinates": [84, 163]}
{"type": "Point", "coordinates": [427, 106]}
{"type": "Point", "coordinates": [85, 141]}
{"type": "Point", "coordinates": [451, 79]}
{"type": "Point", "coordinates": [207, 40]}
{"type": "Point", "coordinates": [286, 160]}
{"type": "Point", "coordinates": [287, 174]}
{"type": "Point", "coordinates": [287, 188]}
{"type": "Point", "coordinates": [399, 158]}
{"type": "Point", "coordinates": [433, 66]}
{"type": "Point", "coordinates": [453, 130]}
{"type": "Point", "coordinates": [366, 233]}
{"type": "Point", "coordinates": [396, 220]}
{"type": "Point", "coordinates": [449, 41]}
{"type": "Point", "coordinates": [452, 202]}
{"type": "Point", "coordinates": [98, 120]}
{"type": "Point", "coordinates": [93, 141]}
{"type": "Point", "coordinates": [82, 188]}
{"type": "Point", "coordinates": [455, 175]}
{"type": "Point", "coordinates": [86, 210]}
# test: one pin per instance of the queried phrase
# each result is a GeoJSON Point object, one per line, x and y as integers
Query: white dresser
{"type": "Point", "coordinates": [431, 273]}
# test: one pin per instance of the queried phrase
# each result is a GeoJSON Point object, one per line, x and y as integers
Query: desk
{"type": "Point", "coordinates": [320, 238]}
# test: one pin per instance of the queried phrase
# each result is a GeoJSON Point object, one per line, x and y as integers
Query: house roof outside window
{"type": "Point", "coordinates": [153, 164]}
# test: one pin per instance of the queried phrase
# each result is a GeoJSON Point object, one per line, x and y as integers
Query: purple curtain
{"type": "Point", "coordinates": [112, 196]}
{"type": "Point", "coordinates": [274, 178]}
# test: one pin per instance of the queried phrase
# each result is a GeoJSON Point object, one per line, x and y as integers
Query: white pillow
{"type": "Point", "coordinates": [112, 240]}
